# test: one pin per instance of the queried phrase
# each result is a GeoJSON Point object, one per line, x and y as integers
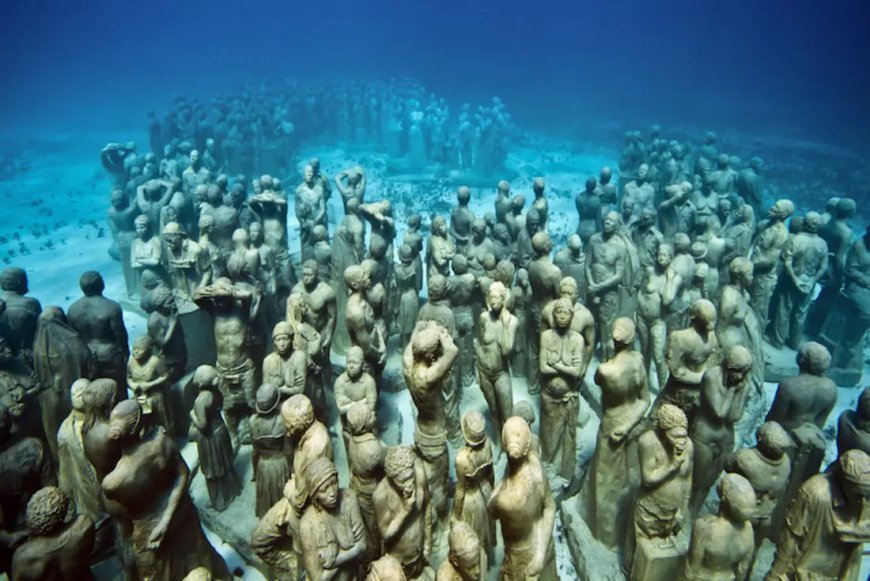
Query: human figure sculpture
{"type": "Point", "coordinates": [387, 568]}
{"type": "Point", "coordinates": [658, 290]}
{"type": "Point", "coordinates": [152, 197]}
{"type": "Point", "coordinates": [853, 426]}
{"type": "Point", "coordinates": [523, 504]}
{"type": "Point", "coordinates": [309, 438]}
{"type": "Point", "coordinates": [475, 479]}
{"type": "Point", "coordinates": [826, 526]}
{"type": "Point", "coordinates": [852, 312]}
{"type": "Point", "coordinates": [765, 254]}
{"type": "Point", "coordinates": [805, 261]}
{"type": "Point", "coordinates": [75, 475]}
{"type": "Point", "coordinates": [640, 190]}
{"type": "Point", "coordinates": [613, 479]}
{"type": "Point", "coordinates": [225, 216]}
{"type": "Point", "coordinates": [150, 482]}
{"type": "Point", "coordinates": [496, 332]}
{"type": "Point", "coordinates": [351, 183]}
{"type": "Point", "coordinates": [365, 458]}
{"type": "Point", "coordinates": [100, 323]}
{"type": "Point", "coordinates": [270, 454]}
{"type": "Point", "coordinates": [723, 397]}
{"type": "Point", "coordinates": [461, 219]}
{"type": "Point", "coordinates": [57, 548]}
{"type": "Point", "coordinates": [60, 357]}
{"type": "Point", "coordinates": [606, 257]}
{"type": "Point", "coordinates": [272, 209]}
{"type": "Point", "coordinates": [502, 201]}
{"type": "Point", "coordinates": [334, 539]}
{"type": "Point", "coordinates": [723, 544]}
{"type": "Point", "coordinates": [212, 437]}
{"type": "Point", "coordinates": [121, 218]}
{"type": "Point", "coordinates": [588, 204]}
{"type": "Point", "coordinates": [562, 351]}
{"type": "Point", "coordinates": [402, 509]}
{"type": "Point", "coordinates": [355, 386]}
{"type": "Point", "coordinates": [466, 556]}
{"type": "Point", "coordinates": [665, 453]}
{"type": "Point", "coordinates": [516, 225]}
{"type": "Point", "coordinates": [147, 378]}
{"type": "Point", "coordinates": [167, 334]}
{"type": "Point", "coordinates": [750, 183]}
{"type": "Point", "coordinates": [427, 364]}
{"type": "Point", "coordinates": [690, 352]}
{"type": "Point", "coordinates": [307, 339]}
{"type": "Point", "coordinates": [146, 251]}
{"type": "Point", "coordinates": [196, 173]}
{"type": "Point", "coordinates": [767, 468]}
{"type": "Point", "coordinates": [20, 317]}
{"type": "Point", "coordinates": [440, 250]}
{"type": "Point", "coordinates": [361, 323]}
{"type": "Point", "coordinates": [520, 300]}
{"type": "Point", "coordinates": [311, 198]}
{"type": "Point", "coordinates": [409, 294]}
{"type": "Point", "coordinates": [544, 277]}
{"type": "Point", "coordinates": [286, 368]}
{"type": "Point", "coordinates": [232, 309]}
{"type": "Point", "coordinates": [571, 261]}
{"type": "Point", "coordinates": [540, 202]}
{"type": "Point", "coordinates": [802, 405]}
{"type": "Point", "coordinates": [461, 289]}
{"type": "Point", "coordinates": [738, 323]}
{"type": "Point", "coordinates": [526, 233]}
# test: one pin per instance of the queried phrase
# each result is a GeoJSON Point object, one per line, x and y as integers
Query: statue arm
{"type": "Point", "coordinates": [342, 401]}
{"type": "Point", "coordinates": [547, 369]}
{"type": "Point", "coordinates": [371, 393]}
{"type": "Point", "coordinates": [701, 538]}
{"type": "Point", "coordinates": [179, 489]}
{"type": "Point", "coordinates": [509, 332]}
{"type": "Point", "coordinates": [449, 353]}
{"type": "Point", "coordinates": [351, 507]}
{"type": "Point", "coordinates": [545, 528]}
{"type": "Point", "coordinates": [653, 472]}
{"type": "Point", "coordinates": [331, 317]}
{"type": "Point", "coordinates": [717, 396]}
{"type": "Point", "coordinates": [116, 323]}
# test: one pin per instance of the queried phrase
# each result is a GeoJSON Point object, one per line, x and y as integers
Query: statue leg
{"type": "Point", "coordinates": [659, 336]}
{"type": "Point", "coordinates": [487, 386]}
{"type": "Point", "coordinates": [800, 308]}
{"type": "Point", "coordinates": [504, 397]}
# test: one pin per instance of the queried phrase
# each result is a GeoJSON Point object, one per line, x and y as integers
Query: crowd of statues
{"type": "Point", "coordinates": [652, 317]}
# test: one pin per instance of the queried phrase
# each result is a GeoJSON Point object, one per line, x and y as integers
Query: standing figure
{"type": "Point", "coordinates": [354, 386]}
{"type": "Point", "coordinates": [147, 378]}
{"type": "Point", "coordinates": [427, 363]}
{"type": "Point", "coordinates": [183, 263]}
{"type": "Point", "coordinates": [402, 509]}
{"type": "Point", "coordinates": [334, 538]}
{"type": "Point", "coordinates": [544, 279]}
{"type": "Point", "coordinates": [100, 323]}
{"type": "Point", "coordinates": [75, 475]}
{"type": "Point", "coordinates": [723, 397]}
{"type": "Point", "coordinates": [524, 505]}
{"type": "Point", "coordinates": [146, 251]}
{"type": "Point", "coordinates": [351, 183]}
{"type": "Point", "coordinates": [613, 479]}
{"type": "Point", "coordinates": [440, 249]}
{"type": "Point", "coordinates": [365, 458]}
{"type": "Point", "coordinates": [409, 294]}
{"type": "Point", "coordinates": [826, 525]}
{"type": "Point", "coordinates": [496, 331]}
{"type": "Point", "coordinates": [271, 450]}
{"type": "Point", "coordinates": [311, 198]}
{"type": "Point", "coordinates": [213, 444]}
{"type": "Point", "coordinates": [461, 288]}
{"type": "Point", "coordinates": [690, 353]}
{"type": "Point", "coordinates": [232, 310]}
{"type": "Point", "coordinates": [805, 261]}
{"type": "Point", "coordinates": [122, 216]}
{"type": "Point", "coordinates": [58, 548]}
{"type": "Point", "coordinates": [150, 482]}
{"type": "Point", "coordinates": [723, 544]}
{"type": "Point", "coordinates": [767, 468]}
{"type": "Point", "coordinates": [853, 308]}
{"type": "Point", "coordinates": [60, 358]}
{"type": "Point", "coordinates": [738, 323]}
{"type": "Point", "coordinates": [285, 368]}
{"type": "Point", "coordinates": [361, 323]}
{"type": "Point", "coordinates": [588, 204]}
{"type": "Point", "coordinates": [561, 363]}
{"type": "Point", "coordinates": [665, 453]}
{"type": "Point", "coordinates": [167, 334]}
{"type": "Point", "coordinates": [475, 478]}
{"type": "Point", "coordinates": [461, 219]}
{"type": "Point", "coordinates": [657, 292]}
{"type": "Point", "coordinates": [765, 254]}
{"type": "Point", "coordinates": [272, 209]}
{"type": "Point", "coordinates": [606, 257]}
{"type": "Point", "coordinates": [572, 262]}
{"type": "Point", "coordinates": [853, 426]}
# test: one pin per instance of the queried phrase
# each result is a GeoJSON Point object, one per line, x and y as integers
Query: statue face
{"type": "Point", "coordinates": [354, 364]}
{"type": "Point", "coordinates": [256, 233]}
{"type": "Point", "coordinates": [194, 157]}
{"type": "Point", "coordinates": [406, 483]}
{"type": "Point", "coordinates": [141, 230]}
{"type": "Point", "coordinates": [327, 495]}
{"type": "Point", "coordinates": [677, 439]}
{"type": "Point", "coordinates": [496, 300]}
{"type": "Point", "coordinates": [139, 352]}
{"type": "Point", "coordinates": [308, 175]}
{"type": "Point", "coordinates": [562, 317]}
{"type": "Point", "coordinates": [468, 564]}
{"type": "Point", "coordinates": [642, 172]}
{"type": "Point", "coordinates": [610, 223]}
{"type": "Point", "coordinates": [77, 393]}
{"type": "Point", "coordinates": [736, 376]}
{"type": "Point", "coordinates": [282, 344]}
{"type": "Point", "coordinates": [309, 276]}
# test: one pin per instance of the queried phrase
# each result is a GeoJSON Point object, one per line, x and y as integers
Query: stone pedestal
{"type": "Point", "coordinates": [659, 560]}
{"type": "Point", "coordinates": [592, 560]}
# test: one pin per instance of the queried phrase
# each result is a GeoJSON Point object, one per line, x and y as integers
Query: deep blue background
{"type": "Point", "coordinates": [798, 67]}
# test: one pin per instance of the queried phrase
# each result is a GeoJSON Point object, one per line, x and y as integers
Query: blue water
{"type": "Point", "coordinates": [789, 67]}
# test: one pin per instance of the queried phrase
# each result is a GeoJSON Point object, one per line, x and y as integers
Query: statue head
{"type": "Point", "coordinates": [321, 479]}
{"type": "Point", "coordinates": [605, 175]}
{"type": "Point", "coordinates": [672, 426]}
{"type": "Point", "coordinates": [439, 226]}
{"type": "Point", "coordinates": [516, 438]}
{"type": "Point", "coordinates": [297, 413]}
{"type": "Point", "coordinates": [489, 262]}
{"type": "Point", "coordinates": [575, 244]}
{"type": "Point", "coordinates": [77, 393]}
{"type": "Point", "coordinates": [736, 365]}
{"type": "Point", "coordinates": [812, 222]}
{"type": "Point", "coordinates": [438, 287]}
{"type": "Point", "coordinates": [99, 396]}
{"type": "Point", "coordinates": [463, 195]}
{"type": "Point", "coordinates": [141, 348]}
{"type": "Point", "coordinates": [387, 568]}
{"type": "Point", "coordinates": [458, 263]}
{"type": "Point", "coordinates": [591, 184]}
{"type": "Point", "coordinates": [205, 377]}
{"type": "Point", "coordinates": [319, 233]}
{"type": "Point", "coordinates": [119, 199]}
{"type": "Point", "coordinates": [194, 159]}
{"type": "Point", "coordinates": [522, 277]}
{"type": "Point", "coordinates": [518, 202]}
{"type": "Point", "coordinates": [703, 314]}
{"type": "Point", "coordinates": [781, 210]}
{"type": "Point", "coordinates": [377, 248]}
{"type": "Point", "coordinates": [14, 279]}
{"type": "Point", "coordinates": [773, 440]}
{"type": "Point", "coordinates": [756, 164]}
{"type": "Point", "coordinates": [414, 220]}
{"type": "Point", "coordinates": [723, 161]}
{"type": "Point", "coordinates": [682, 243]}
{"type": "Point", "coordinates": [309, 273]}
{"type": "Point", "coordinates": [125, 419]}
{"type": "Point", "coordinates": [831, 205]}
{"type": "Point", "coordinates": [314, 162]}
{"type": "Point", "coordinates": [563, 312]}
{"type": "Point", "coordinates": [541, 243]}
{"type": "Point", "coordinates": [533, 221]}
{"type": "Point", "coordinates": [426, 343]}
{"type": "Point", "coordinates": [399, 469]}
{"type": "Point", "coordinates": [568, 288]}
{"type": "Point", "coordinates": [496, 298]}
{"type": "Point", "coordinates": [523, 409]}
{"type": "Point", "coordinates": [478, 229]}
{"type": "Point", "coordinates": [611, 222]}
{"type": "Point", "coordinates": [354, 362]}
{"type": "Point", "coordinates": [845, 208]}
{"type": "Point", "coordinates": [643, 172]}
{"type": "Point", "coordinates": [464, 550]}
{"type": "Point", "coordinates": [360, 419]}
{"type": "Point", "coordinates": [854, 471]}
{"type": "Point", "coordinates": [740, 269]}
{"type": "Point", "coordinates": [737, 497]}
{"type": "Point", "coordinates": [504, 188]}
{"type": "Point", "coordinates": [813, 358]}
{"type": "Point", "coordinates": [504, 272]}
{"type": "Point", "coordinates": [91, 283]}
{"type": "Point", "coordinates": [282, 338]}
{"type": "Point", "coordinates": [308, 175]}
{"type": "Point", "coordinates": [473, 427]}
{"type": "Point", "coordinates": [356, 278]}
{"type": "Point", "coordinates": [538, 187]}
{"type": "Point", "coordinates": [267, 399]}
{"type": "Point", "coordinates": [46, 511]}
{"type": "Point", "coordinates": [623, 333]}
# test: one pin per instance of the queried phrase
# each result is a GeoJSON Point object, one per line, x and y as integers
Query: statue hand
{"type": "Point", "coordinates": [156, 538]}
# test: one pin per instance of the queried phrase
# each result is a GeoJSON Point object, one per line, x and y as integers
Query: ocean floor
{"type": "Point", "coordinates": [54, 225]}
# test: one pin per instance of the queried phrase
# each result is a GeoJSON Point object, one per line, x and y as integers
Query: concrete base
{"type": "Point", "coordinates": [657, 560]}
{"type": "Point", "coordinates": [592, 560]}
